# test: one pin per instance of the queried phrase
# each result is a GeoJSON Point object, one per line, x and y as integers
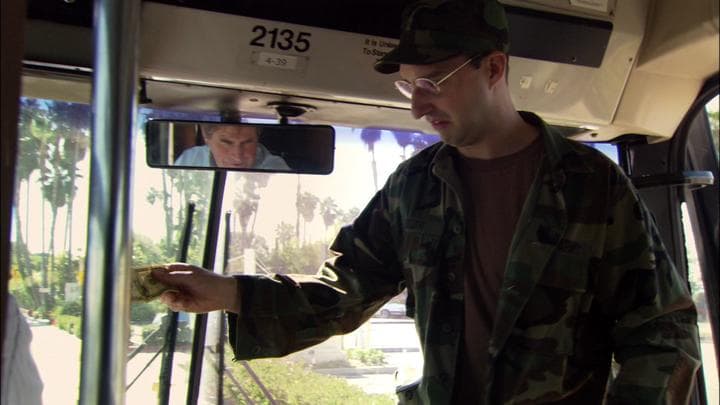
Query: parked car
{"type": "Point", "coordinates": [391, 310]}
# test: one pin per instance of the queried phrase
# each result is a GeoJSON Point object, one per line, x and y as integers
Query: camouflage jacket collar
{"type": "Point", "coordinates": [559, 152]}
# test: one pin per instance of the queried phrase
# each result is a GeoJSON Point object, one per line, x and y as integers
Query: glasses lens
{"type": "Point", "coordinates": [405, 88]}
{"type": "Point", "coordinates": [427, 85]}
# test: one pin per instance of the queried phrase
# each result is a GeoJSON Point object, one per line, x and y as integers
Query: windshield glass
{"type": "Point", "coordinates": [275, 223]}
{"type": "Point", "coordinates": [284, 224]}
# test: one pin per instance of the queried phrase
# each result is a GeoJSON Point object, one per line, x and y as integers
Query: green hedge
{"type": "Point", "coordinates": [70, 323]}
{"type": "Point", "coordinates": [369, 357]}
{"type": "Point", "coordinates": [291, 383]}
{"type": "Point", "coordinates": [73, 308]}
{"type": "Point", "coordinates": [142, 313]}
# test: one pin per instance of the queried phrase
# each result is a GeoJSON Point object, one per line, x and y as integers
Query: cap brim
{"type": "Point", "coordinates": [390, 63]}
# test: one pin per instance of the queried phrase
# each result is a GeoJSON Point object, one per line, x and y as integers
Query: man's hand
{"type": "Point", "coordinates": [198, 290]}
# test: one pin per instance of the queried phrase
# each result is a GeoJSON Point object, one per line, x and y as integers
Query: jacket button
{"type": "Point", "coordinates": [446, 328]}
{"type": "Point", "coordinates": [451, 277]}
{"type": "Point", "coordinates": [457, 229]}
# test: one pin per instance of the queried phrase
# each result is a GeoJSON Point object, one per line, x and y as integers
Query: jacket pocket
{"type": "Point", "coordinates": [420, 247]}
{"type": "Point", "coordinates": [531, 377]}
{"type": "Point", "coordinates": [550, 318]}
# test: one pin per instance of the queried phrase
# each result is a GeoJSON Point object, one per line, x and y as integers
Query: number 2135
{"type": "Point", "coordinates": [281, 39]}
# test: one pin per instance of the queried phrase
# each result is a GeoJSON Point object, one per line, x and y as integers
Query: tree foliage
{"type": "Point", "coordinates": [53, 139]}
{"type": "Point", "coordinates": [714, 117]}
{"type": "Point", "coordinates": [291, 383]}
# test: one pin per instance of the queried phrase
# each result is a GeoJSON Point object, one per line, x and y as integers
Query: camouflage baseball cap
{"type": "Point", "coordinates": [435, 30]}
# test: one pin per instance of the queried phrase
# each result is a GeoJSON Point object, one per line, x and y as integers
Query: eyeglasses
{"type": "Point", "coordinates": [406, 88]}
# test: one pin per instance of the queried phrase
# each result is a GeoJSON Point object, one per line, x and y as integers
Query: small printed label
{"type": "Point", "coordinates": [277, 60]}
{"type": "Point", "coordinates": [599, 5]}
{"type": "Point", "coordinates": [377, 47]}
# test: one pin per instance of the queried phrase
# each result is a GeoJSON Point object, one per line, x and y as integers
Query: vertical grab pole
{"type": "Point", "coordinates": [200, 330]}
{"type": "Point", "coordinates": [106, 304]}
{"type": "Point", "coordinates": [172, 325]}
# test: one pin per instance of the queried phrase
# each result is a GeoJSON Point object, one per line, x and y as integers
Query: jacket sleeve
{"type": "Point", "coordinates": [286, 313]}
{"type": "Point", "coordinates": [654, 333]}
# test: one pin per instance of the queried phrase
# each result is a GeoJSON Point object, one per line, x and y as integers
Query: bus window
{"type": "Point", "coordinates": [284, 223]}
{"type": "Point", "coordinates": [160, 200]}
{"type": "Point", "coordinates": [48, 244]}
{"type": "Point", "coordinates": [49, 240]}
{"type": "Point", "coordinates": [608, 149]}
{"type": "Point", "coordinates": [697, 281]}
{"type": "Point", "coordinates": [697, 289]}
{"type": "Point", "coordinates": [714, 120]}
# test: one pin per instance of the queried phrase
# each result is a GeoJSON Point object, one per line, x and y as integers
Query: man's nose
{"type": "Point", "coordinates": [419, 104]}
{"type": "Point", "coordinates": [238, 152]}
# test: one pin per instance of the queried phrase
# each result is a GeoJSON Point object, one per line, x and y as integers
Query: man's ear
{"type": "Point", "coordinates": [497, 67]}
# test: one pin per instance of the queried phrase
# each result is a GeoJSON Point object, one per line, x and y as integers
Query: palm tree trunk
{"type": "Point", "coordinates": [252, 228]}
{"type": "Point", "coordinates": [43, 171]}
{"type": "Point", "coordinates": [51, 269]}
{"type": "Point", "coordinates": [53, 223]}
{"type": "Point", "coordinates": [71, 200]}
{"type": "Point", "coordinates": [27, 205]}
{"type": "Point", "coordinates": [167, 207]}
{"type": "Point", "coordinates": [23, 261]}
{"type": "Point", "coordinates": [43, 261]}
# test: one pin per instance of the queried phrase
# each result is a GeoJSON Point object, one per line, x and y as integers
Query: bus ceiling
{"type": "Point", "coordinates": [612, 67]}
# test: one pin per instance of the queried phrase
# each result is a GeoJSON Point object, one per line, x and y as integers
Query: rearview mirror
{"type": "Point", "coordinates": [305, 149]}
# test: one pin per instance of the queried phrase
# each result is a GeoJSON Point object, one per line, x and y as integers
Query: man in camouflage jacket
{"type": "Point", "coordinates": [586, 279]}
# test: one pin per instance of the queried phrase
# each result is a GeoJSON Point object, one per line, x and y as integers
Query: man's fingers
{"type": "Point", "coordinates": [173, 300]}
{"type": "Point", "coordinates": [170, 274]}
{"type": "Point", "coordinates": [168, 297]}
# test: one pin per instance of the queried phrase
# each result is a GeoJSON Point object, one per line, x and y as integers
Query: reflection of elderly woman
{"type": "Point", "coordinates": [232, 146]}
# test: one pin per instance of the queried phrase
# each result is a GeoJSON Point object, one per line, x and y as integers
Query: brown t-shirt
{"type": "Point", "coordinates": [495, 191]}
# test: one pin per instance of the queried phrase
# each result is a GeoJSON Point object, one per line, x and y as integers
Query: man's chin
{"type": "Point", "coordinates": [233, 165]}
{"type": "Point", "coordinates": [448, 138]}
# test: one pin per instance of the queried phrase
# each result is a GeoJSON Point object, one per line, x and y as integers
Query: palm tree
{"type": "Point", "coordinates": [284, 233]}
{"type": "Point", "coordinates": [31, 116]}
{"type": "Point", "coordinates": [73, 123]}
{"type": "Point", "coordinates": [258, 181]}
{"type": "Point", "coordinates": [165, 195]}
{"type": "Point", "coordinates": [329, 212]}
{"type": "Point", "coordinates": [403, 139]}
{"type": "Point", "coordinates": [246, 203]}
{"type": "Point", "coordinates": [347, 217]}
{"type": "Point", "coordinates": [38, 133]}
{"type": "Point", "coordinates": [246, 206]}
{"type": "Point", "coordinates": [57, 188]}
{"type": "Point", "coordinates": [306, 207]}
{"type": "Point", "coordinates": [179, 188]}
{"type": "Point", "coordinates": [188, 186]}
{"type": "Point", "coordinates": [370, 136]}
